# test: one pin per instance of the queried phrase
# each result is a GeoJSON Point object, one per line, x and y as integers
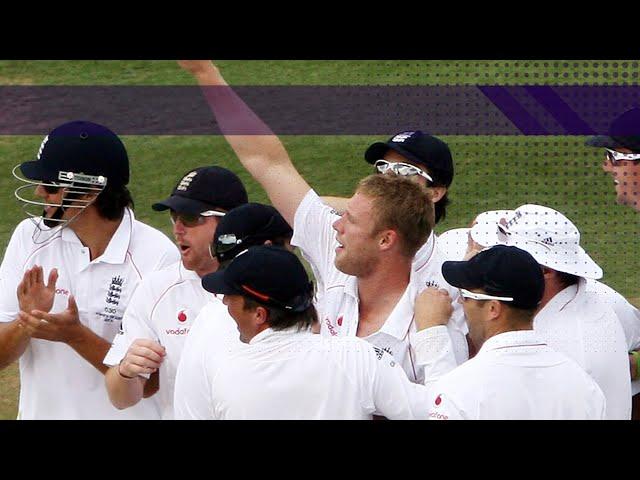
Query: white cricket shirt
{"type": "Point", "coordinates": [162, 309]}
{"type": "Point", "coordinates": [314, 235]}
{"type": "Point", "coordinates": [516, 376]}
{"type": "Point", "coordinates": [56, 383]}
{"type": "Point", "coordinates": [628, 315]}
{"type": "Point", "coordinates": [213, 332]}
{"type": "Point", "coordinates": [575, 323]}
{"type": "Point", "coordinates": [298, 375]}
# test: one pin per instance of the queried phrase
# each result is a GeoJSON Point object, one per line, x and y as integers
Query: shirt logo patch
{"type": "Point", "coordinates": [182, 316]}
{"type": "Point", "coordinates": [438, 400]}
{"type": "Point", "coordinates": [115, 289]}
{"type": "Point", "coordinates": [401, 137]}
{"type": "Point", "coordinates": [431, 283]}
{"type": "Point", "coordinates": [340, 321]}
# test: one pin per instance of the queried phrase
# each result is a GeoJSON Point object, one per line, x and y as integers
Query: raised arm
{"type": "Point", "coordinates": [257, 147]}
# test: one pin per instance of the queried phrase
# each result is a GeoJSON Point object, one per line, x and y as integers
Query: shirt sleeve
{"type": "Point", "coordinates": [11, 272]}
{"type": "Point", "coordinates": [313, 233]}
{"type": "Point", "coordinates": [394, 395]}
{"type": "Point", "coordinates": [435, 355]}
{"type": "Point", "coordinates": [443, 407]}
{"type": "Point", "coordinates": [136, 323]}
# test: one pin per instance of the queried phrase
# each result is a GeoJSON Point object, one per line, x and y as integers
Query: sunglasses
{"type": "Point", "coordinates": [399, 168]}
{"type": "Point", "coordinates": [191, 220]}
{"type": "Point", "coordinates": [51, 189]}
{"type": "Point", "coordinates": [226, 242]}
{"type": "Point", "coordinates": [481, 296]}
{"type": "Point", "coordinates": [615, 157]}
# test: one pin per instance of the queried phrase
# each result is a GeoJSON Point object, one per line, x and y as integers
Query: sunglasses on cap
{"type": "Point", "coordinates": [614, 156]}
{"type": "Point", "coordinates": [225, 243]}
{"type": "Point", "coordinates": [191, 220]}
{"type": "Point", "coordinates": [482, 296]}
{"type": "Point", "coordinates": [229, 241]}
{"type": "Point", "coordinates": [399, 168]}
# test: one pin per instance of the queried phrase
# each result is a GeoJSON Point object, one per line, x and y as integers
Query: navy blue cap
{"type": "Point", "coordinates": [419, 148]}
{"type": "Point", "coordinates": [246, 226]}
{"type": "Point", "coordinates": [80, 147]}
{"type": "Point", "coordinates": [624, 132]}
{"type": "Point", "coordinates": [270, 275]}
{"type": "Point", "coordinates": [205, 188]}
{"type": "Point", "coordinates": [503, 271]}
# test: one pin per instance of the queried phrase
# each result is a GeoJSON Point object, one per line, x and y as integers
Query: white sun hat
{"type": "Point", "coordinates": [550, 237]}
{"type": "Point", "coordinates": [453, 243]}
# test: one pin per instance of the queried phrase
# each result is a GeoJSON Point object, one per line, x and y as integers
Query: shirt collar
{"type": "Point", "coordinates": [187, 274]}
{"type": "Point", "coordinates": [516, 338]}
{"type": "Point", "coordinates": [562, 299]}
{"type": "Point", "coordinates": [271, 335]}
{"type": "Point", "coordinates": [399, 321]}
{"type": "Point", "coordinates": [118, 246]}
{"type": "Point", "coordinates": [423, 255]}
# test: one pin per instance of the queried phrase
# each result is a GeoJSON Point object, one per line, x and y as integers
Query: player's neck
{"type": "Point", "coordinates": [94, 231]}
{"type": "Point", "coordinates": [385, 283]}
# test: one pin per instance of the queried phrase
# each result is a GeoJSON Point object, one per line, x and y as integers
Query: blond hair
{"type": "Point", "coordinates": [400, 205]}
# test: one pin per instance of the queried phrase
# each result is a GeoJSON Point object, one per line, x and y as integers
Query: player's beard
{"type": "Point", "coordinates": [51, 221]}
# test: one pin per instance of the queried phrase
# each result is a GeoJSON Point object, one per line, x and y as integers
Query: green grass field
{"type": "Point", "coordinates": [491, 172]}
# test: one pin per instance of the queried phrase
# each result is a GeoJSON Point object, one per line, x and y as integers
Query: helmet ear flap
{"type": "Point", "coordinates": [34, 206]}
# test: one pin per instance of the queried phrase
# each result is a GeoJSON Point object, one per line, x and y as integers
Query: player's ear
{"type": "Point", "coordinates": [261, 315]}
{"type": "Point", "coordinates": [437, 193]}
{"type": "Point", "coordinates": [387, 238]}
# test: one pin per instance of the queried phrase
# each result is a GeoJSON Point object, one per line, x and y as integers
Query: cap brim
{"type": "Point", "coordinates": [215, 283]}
{"type": "Point", "coordinates": [458, 274]}
{"type": "Point", "coordinates": [453, 243]}
{"type": "Point", "coordinates": [379, 149]}
{"type": "Point", "coordinates": [602, 141]}
{"type": "Point", "coordinates": [181, 205]}
{"type": "Point", "coordinates": [33, 171]}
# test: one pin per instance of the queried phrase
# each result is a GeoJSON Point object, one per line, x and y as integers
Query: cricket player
{"type": "Point", "coordinates": [622, 156]}
{"type": "Point", "coordinates": [364, 257]}
{"type": "Point", "coordinates": [574, 316]}
{"type": "Point", "coordinates": [280, 370]}
{"type": "Point", "coordinates": [426, 160]}
{"type": "Point", "coordinates": [70, 271]}
{"type": "Point", "coordinates": [214, 331]}
{"type": "Point", "coordinates": [515, 375]}
{"type": "Point", "coordinates": [163, 308]}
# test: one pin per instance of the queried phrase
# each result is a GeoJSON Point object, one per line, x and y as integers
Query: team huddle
{"type": "Point", "coordinates": [505, 319]}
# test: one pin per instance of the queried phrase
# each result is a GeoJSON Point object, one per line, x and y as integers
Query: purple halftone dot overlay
{"type": "Point", "coordinates": [320, 110]}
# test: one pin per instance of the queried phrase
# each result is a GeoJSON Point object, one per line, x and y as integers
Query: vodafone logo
{"type": "Point", "coordinates": [340, 321]}
{"type": "Point", "coordinates": [438, 400]}
{"type": "Point", "coordinates": [330, 327]}
{"type": "Point", "coordinates": [182, 316]}
{"type": "Point", "coordinates": [176, 331]}
{"type": "Point", "coordinates": [62, 291]}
